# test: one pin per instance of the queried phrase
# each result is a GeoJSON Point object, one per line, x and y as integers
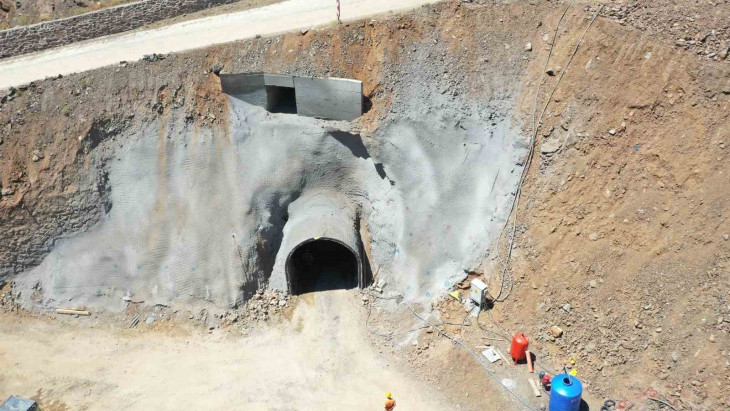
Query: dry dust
{"type": "Point", "coordinates": [317, 360]}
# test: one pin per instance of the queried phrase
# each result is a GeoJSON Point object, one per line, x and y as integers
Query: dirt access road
{"type": "Point", "coordinates": [272, 19]}
{"type": "Point", "coordinates": [319, 359]}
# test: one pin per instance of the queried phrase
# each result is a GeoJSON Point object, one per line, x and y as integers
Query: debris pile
{"type": "Point", "coordinates": [262, 307]}
{"type": "Point", "coordinates": [8, 297]}
{"type": "Point", "coordinates": [694, 30]}
{"type": "Point", "coordinates": [150, 58]}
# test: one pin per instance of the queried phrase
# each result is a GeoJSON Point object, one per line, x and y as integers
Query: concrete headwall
{"type": "Point", "coordinates": [249, 87]}
{"type": "Point", "coordinates": [41, 36]}
{"type": "Point", "coordinates": [328, 98]}
{"type": "Point", "coordinates": [334, 98]}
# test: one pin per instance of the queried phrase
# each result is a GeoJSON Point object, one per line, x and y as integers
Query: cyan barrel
{"type": "Point", "coordinates": [565, 393]}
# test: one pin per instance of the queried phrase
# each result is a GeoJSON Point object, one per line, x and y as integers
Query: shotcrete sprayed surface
{"type": "Point", "coordinates": [202, 216]}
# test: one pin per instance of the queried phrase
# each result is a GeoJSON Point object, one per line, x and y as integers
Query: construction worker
{"type": "Point", "coordinates": [389, 401]}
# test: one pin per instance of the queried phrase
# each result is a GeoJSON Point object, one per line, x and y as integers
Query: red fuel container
{"type": "Point", "coordinates": [518, 347]}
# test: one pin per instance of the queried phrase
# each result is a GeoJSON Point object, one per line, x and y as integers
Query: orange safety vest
{"type": "Point", "coordinates": [389, 404]}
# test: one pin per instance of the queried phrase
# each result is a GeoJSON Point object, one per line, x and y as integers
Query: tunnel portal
{"type": "Point", "coordinates": [321, 264]}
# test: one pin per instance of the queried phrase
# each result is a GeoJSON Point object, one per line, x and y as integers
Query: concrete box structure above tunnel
{"type": "Point", "coordinates": [339, 99]}
{"type": "Point", "coordinates": [329, 98]}
{"type": "Point", "coordinates": [249, 87]}
{"type": "Point", "coordinates": [279, 80]}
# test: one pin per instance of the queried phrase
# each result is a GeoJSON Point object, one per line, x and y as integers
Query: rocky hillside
{"type": "Point", "coordinates": [622, 246]}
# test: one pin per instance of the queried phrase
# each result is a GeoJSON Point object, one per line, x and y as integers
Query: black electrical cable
{"type": "Point", "coordinates": [481, 327]}
{"type": "Point", "coordinates": [475, 356]}
{"type": "Point", "coordinates": [464, 321]}
{"type": "Point", "coordinates": [441, 332]}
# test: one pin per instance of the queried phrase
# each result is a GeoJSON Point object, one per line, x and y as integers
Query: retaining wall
{"type": "Point", "coordinates": [333, 98]}
{"type": "Point", "coordinates": [329, 98]}
{"type": "Point", "coordinates": [41, 36]}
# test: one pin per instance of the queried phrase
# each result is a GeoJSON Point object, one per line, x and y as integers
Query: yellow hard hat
{"type": "Point", "coordinates": [388, 394]}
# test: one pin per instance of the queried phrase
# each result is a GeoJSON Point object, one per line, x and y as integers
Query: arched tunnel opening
{"type": "Point", "coordinates": [322, 264]}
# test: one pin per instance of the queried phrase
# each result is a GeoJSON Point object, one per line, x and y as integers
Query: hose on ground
{"type": "Point", "coordinates": [528, 162]}
{"type": "Point", "coordinates": [443, 333]}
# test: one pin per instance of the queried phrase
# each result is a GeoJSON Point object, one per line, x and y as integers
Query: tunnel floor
{"type": "Point", "coordinates": [321, 265]}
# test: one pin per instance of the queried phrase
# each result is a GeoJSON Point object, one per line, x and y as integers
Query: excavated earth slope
{"type": "Point", "coordinates": [621, 230]}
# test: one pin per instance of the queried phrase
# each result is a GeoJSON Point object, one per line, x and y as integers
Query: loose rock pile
{"type": "Point", "coordinates": [697, 32]}
{"type": "Point", "coordinates": [264, 306]}
{"type": "Point", "coordinates": [260, 308]}
{"type": "Point", "coordinates": [7, 297]}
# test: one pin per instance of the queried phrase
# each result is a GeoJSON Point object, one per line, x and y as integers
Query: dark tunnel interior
{"type": "Point", "coordinates": [321, 265]}
{"type": "Point", "coordinates": [281, 100]}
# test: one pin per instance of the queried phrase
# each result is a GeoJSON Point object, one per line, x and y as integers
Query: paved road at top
{"type": "Point", "coordinates": [276, 18]}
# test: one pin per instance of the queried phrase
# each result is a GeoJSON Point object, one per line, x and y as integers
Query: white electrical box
{"type": "Point", "coordinates": [478, 292]}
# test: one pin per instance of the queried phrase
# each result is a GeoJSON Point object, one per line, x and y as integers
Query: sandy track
{"type": "Point", "coordinates": [276, 18]}
{"type": "Point", "coordinates": [318, 360]}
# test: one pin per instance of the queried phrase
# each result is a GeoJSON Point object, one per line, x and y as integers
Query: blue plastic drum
{"type": "Point", "coordinates": [565, 393]}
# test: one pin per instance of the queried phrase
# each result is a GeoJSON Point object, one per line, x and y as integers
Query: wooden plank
{"type": "Point", "coordinates": [535, 390]}
{"type": "Point", "coordinates": [71, 311]}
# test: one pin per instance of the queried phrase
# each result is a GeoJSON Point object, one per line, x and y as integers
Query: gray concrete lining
{"type": "Point", "coordinates": [202, 214]}
{"type": "Point", "coordinates": [321, 214]}
{"type": "Point", "coordinates": [280, 80]}
{"type": "Point", "coordinates": [327, 98]}
{"type": "Point", "coordinates": [249, 87]}
{"type": "Point", "coordinates": [335, 98]}
{"type": "Point", "coordinates": [331, 83]}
